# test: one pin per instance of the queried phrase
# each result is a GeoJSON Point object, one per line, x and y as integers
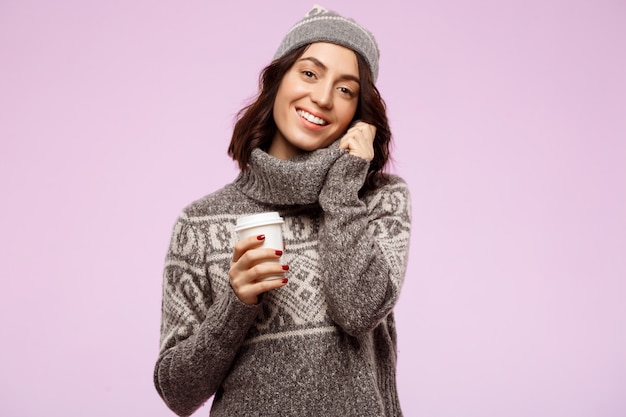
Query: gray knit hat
{"type": "Point", "coordinates": [321, 25]}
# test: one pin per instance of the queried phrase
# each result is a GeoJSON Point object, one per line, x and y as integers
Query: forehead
{"type": "Point", "coordinates": [333, 57]}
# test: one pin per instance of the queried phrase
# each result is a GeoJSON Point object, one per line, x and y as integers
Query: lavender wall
{"type": "Point", "coordinates": [510, 127]}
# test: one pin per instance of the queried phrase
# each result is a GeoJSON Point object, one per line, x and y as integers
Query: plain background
{"type": "Point", "coordinates": [510, 127]}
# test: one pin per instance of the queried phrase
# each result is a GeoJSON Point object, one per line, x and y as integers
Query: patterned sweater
{"type": "Point", "coordinates": [322, 345]}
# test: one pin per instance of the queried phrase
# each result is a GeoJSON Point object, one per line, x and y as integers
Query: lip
{"type": "Point", "coordinates": [314, 113]}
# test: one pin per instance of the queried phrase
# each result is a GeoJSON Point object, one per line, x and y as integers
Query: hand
{"type": "Point", "coordinates": [249, 267]}
{"type": "Point", "coordinates": [359, 140]}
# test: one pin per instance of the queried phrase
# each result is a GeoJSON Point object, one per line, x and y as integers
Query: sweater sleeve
{"type": "Point", "coordinates": [199, 336]}
{"type": "Point", "coordinates": [364, 245]}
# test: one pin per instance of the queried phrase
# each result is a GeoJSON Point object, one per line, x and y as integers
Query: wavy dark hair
{"type": "Point", "coordinates": [255, 126]}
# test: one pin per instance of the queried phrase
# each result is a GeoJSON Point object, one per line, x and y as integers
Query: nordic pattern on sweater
{"type": "Point", "coordinates": [209, 339]}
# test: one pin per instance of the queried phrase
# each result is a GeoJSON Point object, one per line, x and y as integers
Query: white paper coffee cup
{"type": "Point", "coordinates": [268, 224]}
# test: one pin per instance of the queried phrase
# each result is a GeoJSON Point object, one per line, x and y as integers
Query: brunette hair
{"type": "Point", "coordinates": [255, 126]}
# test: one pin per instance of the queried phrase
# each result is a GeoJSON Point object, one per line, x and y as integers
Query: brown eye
{"type": "Point", "coordinates": [347, 91]}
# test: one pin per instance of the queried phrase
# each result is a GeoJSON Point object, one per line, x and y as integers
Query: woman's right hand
{"type": "Point", "coordinates": [249, 267]}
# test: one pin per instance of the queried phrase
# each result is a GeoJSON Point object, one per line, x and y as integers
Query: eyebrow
{"type": "Point", "coordinates": [320, 64]}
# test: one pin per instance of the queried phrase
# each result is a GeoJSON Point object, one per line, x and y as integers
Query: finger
{"type": "Point", "coordinates": [267, 270]}
{"type": "Point", "coordinates": [255, 257]}
{"type": "Point", "coordinates": [248, 284]}
{"type": "Point", "coordinates": [246, 244]}
{"type": "Point", "coordinates": [345, 141]}
{"type": "Point", "coordinates": [250, 294]}
{"type": "Point", "coordinates": [361, 148]}
{"type": "Point", "coordinates": [366, 129]}
{"type": "Point", "coordinates": [270, 284]}
{"type": "Point", "coordinates": [372, 130]}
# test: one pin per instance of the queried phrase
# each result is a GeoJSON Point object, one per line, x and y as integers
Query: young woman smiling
{"type": "Point", "coordinates": [312, 146]}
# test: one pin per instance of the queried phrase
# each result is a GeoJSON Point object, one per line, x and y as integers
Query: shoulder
{"type": "Point", "coordinates": [391, 195]}
{"type": "Point", "coordinates": [222, 206]}
{"type": "Point", "coordinates": [396, 180]}
{"type": "Point", "coordinates": [390, 183]}
{"type": "Point", "coordinates": [215, 203]}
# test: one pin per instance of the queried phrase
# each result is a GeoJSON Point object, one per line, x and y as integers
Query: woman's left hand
{"type": "Point", "coordinates": [359, 140]}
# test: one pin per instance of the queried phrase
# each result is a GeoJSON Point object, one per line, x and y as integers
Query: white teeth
{"type": "Point", "coordinates": [311, 118]}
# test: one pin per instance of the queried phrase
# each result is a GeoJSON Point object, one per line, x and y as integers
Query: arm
{"type": "Point", "coordinates": [364, 246]}
{"type": "Point", "coordinates": [199, 336]}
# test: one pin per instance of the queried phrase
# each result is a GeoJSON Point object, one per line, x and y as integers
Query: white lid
{"type": "Point", "coordinates": [271, 217]}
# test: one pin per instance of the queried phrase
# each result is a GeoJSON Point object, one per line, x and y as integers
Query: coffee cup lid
{"type": "Point", "coordinates": [260, 219]}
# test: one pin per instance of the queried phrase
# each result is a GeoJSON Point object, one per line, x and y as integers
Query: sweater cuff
{"type": "Point", "coordinates": [235, 313]}
{"type": "Point", "coordinates": [344, 180]}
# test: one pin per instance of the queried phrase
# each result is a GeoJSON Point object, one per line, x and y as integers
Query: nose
{"type": "Point", "coordinates": [322, 95]}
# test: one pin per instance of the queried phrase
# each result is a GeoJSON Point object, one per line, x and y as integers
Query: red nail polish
{"type": "Point", "coordinates": [285, 280]}
{"type": "Point", "coordinates": [260, 237]}
{"type": "Point", "coordinates": [285, 267]}
{"type": "Point", "coordinates": [279, 252]}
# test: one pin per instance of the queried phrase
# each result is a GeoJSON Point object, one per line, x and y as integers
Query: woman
{"type": "Point", "coordinates": [321, 342]}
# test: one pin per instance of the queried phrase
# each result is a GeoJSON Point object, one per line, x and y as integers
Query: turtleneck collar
{"type": "Point", "coordinates": [294, 181]}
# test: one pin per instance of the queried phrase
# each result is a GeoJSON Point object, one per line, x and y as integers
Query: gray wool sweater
{"type": "Point", "coordinates": [324, 344]}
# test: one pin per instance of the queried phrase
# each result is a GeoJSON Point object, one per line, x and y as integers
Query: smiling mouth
{"type": "Point", "coordinates": [311, 118]}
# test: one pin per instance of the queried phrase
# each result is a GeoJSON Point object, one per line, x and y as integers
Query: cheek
{"type": "Point", "coordinates": [286, 94]}
{"type": "Point", "coordinates": [281, 102]}
{"type": "Point", "coordinates": [279, 97]}
{"type": "Point", "coordinates": [346, 114]}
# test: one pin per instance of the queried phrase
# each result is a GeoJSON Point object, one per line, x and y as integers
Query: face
{"type": "Point", "coordinates": [316, 100]}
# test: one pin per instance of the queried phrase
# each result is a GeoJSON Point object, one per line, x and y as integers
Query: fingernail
{"type": "Point", "coordinates": [279, 252]}
{"type": "Point", "coordinates": [285, 267]}
{"type": "Point", "coordinates": [260, 237]}
{"type": "Point", "coordinates": [285, 280]}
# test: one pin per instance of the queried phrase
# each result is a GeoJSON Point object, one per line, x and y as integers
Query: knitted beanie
{"type": "Point", "coordinates": [321, 25]}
